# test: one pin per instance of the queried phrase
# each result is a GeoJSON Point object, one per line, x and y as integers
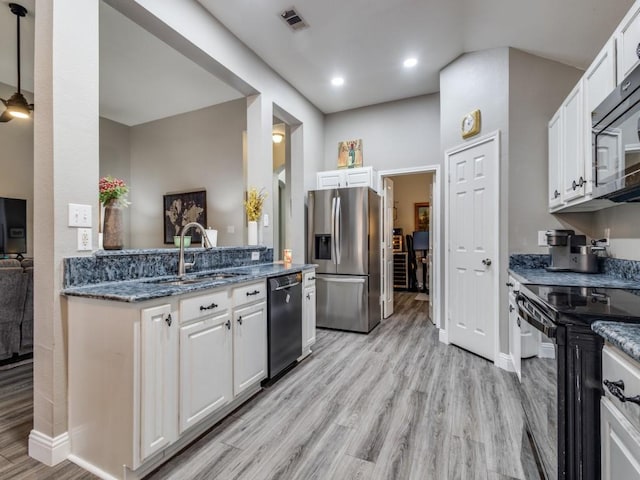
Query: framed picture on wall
{"type": "Point", "coordinates": [350, 153]}
{"type": "Point", "coordinates": [422, 216]}
{"type": "Point", "coordinates": [182, 208]}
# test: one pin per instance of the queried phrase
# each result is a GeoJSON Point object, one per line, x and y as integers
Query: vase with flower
{"type": "Point", "coordinates": [253, 206]}
{"type": "Point", "coordinates": [113, 196]}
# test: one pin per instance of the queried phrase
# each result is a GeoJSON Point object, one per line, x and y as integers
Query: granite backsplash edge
{"type": "Point", "coordinates": [614, 267]}
{"type": "Point", "coordinates": [124, 265]}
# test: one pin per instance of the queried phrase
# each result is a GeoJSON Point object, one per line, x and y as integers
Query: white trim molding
{"type": "Point", "coordinates": [47, 450]}
{"type": "Point", "coordinates": [546, 350]}
{"type": "Point", "coordinates": [505, 362]}
{"type": "Point", "coordinates": [443, 336]}
{"type": "Point", "coordinates": [89, 467]}
{"type": "Point", "coordinates": [436, 252]}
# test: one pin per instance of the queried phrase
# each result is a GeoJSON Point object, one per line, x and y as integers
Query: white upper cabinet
{"type": "Point", "coordinates": [570, 142]}
{"type": "Point", "coordinates": [349, 177]}
{"type": "Point", "coordinates": [627, 41]}
{"type": "Point", "coordinates": [599, 81]}
{"type": "Point", "coordinates": [555, 161]}
{"type": "Point", "coordinates": [573, 162]}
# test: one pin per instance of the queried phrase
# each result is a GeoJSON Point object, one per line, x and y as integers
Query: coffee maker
{"type": "Point", "coordinates": [570, 252]}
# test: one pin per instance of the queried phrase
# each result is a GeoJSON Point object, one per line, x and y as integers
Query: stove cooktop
{"type": "Point", "coordinates": [589, 303]}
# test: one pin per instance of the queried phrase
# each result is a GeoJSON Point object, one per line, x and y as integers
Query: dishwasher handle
{"type": "Point", "coordinates": [284, 287]}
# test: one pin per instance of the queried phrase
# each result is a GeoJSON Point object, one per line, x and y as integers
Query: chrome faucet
{"type": "Point", "coordinates": [182, 266]}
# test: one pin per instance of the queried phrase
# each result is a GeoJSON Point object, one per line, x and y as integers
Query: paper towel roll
{"type": "Point", "coordinates": [212, 235]}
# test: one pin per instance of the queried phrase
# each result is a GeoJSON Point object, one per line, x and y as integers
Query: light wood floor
{"type": "Point", "coordinates": [392, 405]}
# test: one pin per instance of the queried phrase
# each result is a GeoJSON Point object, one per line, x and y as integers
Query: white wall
{"type": "Point", "coordinates": [16, 160]}
{"type": "Point", "coordinates": [115, 161]}
{"type": "Point", "coordinates": [536, 89]}
{"type": "Point", "coordinates": [623, 220]}
{"type": "Point", "coordinates": [400, 134]}
{"type": "Point", "coordinates": [195, 150]}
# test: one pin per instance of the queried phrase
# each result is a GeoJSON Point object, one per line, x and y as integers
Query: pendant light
{"type": "Point", "coordinates": [17, 105]}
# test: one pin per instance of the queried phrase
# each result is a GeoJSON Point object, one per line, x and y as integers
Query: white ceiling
{"type": "Point", "coordinates": [366, 40]}
{"type": "Point", "coordinates": [142, 79]}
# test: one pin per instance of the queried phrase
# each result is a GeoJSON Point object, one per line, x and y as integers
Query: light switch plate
{"type": "Point", "coordinates": [231, 229]}
{"type": "Point", "coordinates": [542, 238]}
{"type": "Point", "coordinates": [84, 239]}
{"type": "Point", "coordinates": [255, 255]}
{"type": "Point", "coordinates": [265, 219]}
{"type": "Point", "coordinates": [79, 215]}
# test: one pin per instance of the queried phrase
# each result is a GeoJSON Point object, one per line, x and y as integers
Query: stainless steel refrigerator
{"type": "Point", "coordinates": [344, 241]}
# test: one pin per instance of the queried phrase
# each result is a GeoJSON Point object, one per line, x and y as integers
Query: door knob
{"type": "Point", "coordinates": [486, 262]}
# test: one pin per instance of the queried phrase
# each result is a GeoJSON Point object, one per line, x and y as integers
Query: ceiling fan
{"type": "Point", "coordinates": [17, 105]}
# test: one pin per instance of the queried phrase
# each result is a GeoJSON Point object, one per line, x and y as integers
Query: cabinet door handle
{"type": "Point", "coordinates": [308, 296]}
{"type": "Point", "coordinates": [509, 284]}
{"type": "Point", "coordinates": [255, 292]}
{"type": "Point", "coordinates": [240, 319]}
{"type": "Point", "coordinates": [511, 309]}
{"type": "Point", "coordinates": [617, 390]}
{"type": "Point", "coordinates": [556, 194]}
{"type": "Point", "coordinates": [213, 305]}
{"type": "Point", "coordinates": [518, 322]}
{"type": "Point", "coordinates": [169, 320]}
{"type": "Point", "coordinates": [228, 324]}
{"type": "Point", "coordinates": [486, 262]}
{"type": "Point", "coordinates": [574, 185]}
{"type": "Point", "coordinates": [627, 84]}
{"type": "Point", "coordinates": [311, 279]}
{"type": "Point", "coordinates": [581, 182]}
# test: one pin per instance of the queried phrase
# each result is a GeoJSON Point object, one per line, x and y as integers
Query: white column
{"type": "Point", "coordinates": [259, 172]}
{"type": "Point", "coordinates": [65, 170]}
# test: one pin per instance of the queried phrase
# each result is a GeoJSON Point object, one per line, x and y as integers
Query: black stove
{"type": "Point", "coordinates": [584, 305]}
{"type": "Point", "coordinates": [561, 371]}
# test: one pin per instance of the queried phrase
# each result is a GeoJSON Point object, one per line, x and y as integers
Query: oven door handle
{"type": "Point", "coordinates": [549, 330]}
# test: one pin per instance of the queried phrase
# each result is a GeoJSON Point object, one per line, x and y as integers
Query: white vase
{"type": "Point", "coordinates": [252, 233]}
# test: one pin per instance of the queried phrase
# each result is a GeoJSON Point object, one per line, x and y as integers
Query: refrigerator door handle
{"type": "Point", "coordinates": [333, 230]}
{"type": "Point", "coordinates": [338, 232]}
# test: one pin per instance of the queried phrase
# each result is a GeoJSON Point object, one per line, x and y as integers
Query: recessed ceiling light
{"type": "Point", "coordinates": [410, 62]}
{"type": "Point", "coordinates": [337, 81]}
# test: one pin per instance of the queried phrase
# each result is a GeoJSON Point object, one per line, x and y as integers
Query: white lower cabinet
{"type": "Point", "coordinates": [514, 335]}
{"type": "Point", "coordinates": [249, 346]}
{"type": "Point", "coordinates": [205, 368]}
{"type": "Point", "coordinates": [146, 379]}
{"type": "Point", "coordinates": [158, 378]}
{"type": "Point", "coordinates": [620, 444]}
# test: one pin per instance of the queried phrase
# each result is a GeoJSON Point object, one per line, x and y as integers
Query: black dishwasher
{"type": "Point", "coordinates": [284, 322]}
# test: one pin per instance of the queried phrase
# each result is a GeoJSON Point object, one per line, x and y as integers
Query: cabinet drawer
{"type": "Point", "coordinates": [616, 366]}
{"type": "Point", "coordinates": [204, 305]}
{"type": "Point", "coordinates": [309, 278]}
{"type": "Point", "coordinates": [249, 293]}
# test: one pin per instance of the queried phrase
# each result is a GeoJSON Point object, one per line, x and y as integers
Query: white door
{"type": "Point", "coordinates": [619, 444]}
{"type": "Point", "coordinates": [472, 246]}
{"type": "Point", "coordinates": [309, 316]}
{"type": "Point", "coordinates": [387, 249]}
{"type": "Point", "coordinates": [572, 141]}
{"type": "Point", "coordinates": [249, 346]}
{"type": "Point", "coordinates": [555, 160]}
{"type": "Point", "coordinates": [158, 377]}
{"type": "Point", "coordinates": [205, 368]}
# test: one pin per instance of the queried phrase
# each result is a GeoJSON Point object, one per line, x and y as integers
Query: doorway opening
{"type": "Point", "coordinates": [411, 237]}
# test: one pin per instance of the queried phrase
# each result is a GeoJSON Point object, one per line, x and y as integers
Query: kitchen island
{"type": "Point", "coordinates": [155, 361]}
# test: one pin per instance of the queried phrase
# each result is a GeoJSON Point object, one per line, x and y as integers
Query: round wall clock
{"type": "Point", "coordinates": [471, 124]}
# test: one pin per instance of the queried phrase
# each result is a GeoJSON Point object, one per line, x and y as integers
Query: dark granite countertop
{"type": "Point", "coordinates": [148, 288]}
{"type": "Point", "coordinates": [615, 273]}
{"type": "Point", "coordinates": [625, 336]}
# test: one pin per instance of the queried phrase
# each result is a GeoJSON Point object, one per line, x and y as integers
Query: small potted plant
{"type": "Point", "coordinates": [253, 206]}
{"type": "Point", "coordinates": [113, 196]}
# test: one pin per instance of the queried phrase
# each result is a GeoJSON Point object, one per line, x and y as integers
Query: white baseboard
{"type": "Point", "coordinates": [89, 467]}
{"type": "Point", "coordinates": [505, 362]}
{"type": "Point", "coordinates": [47, 450]}
{"type": "Point", "coordinates": [546, 350]}
{"type": "Point", "coordinates": [443, 336]}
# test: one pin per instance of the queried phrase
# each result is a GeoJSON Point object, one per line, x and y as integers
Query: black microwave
{"type": "Point", "coordinates": [615, 131]}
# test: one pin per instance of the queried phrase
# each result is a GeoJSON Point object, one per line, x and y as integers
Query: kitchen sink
{"type": "Point", "coordinates": [195, 281]}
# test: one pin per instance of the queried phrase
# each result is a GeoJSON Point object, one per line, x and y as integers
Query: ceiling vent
{"type": "Point", "coordinates": [293, 19]}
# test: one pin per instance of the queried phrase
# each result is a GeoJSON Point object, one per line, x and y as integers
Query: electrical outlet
{"type": "Point", "coordinates": [79, 215]}
{"type": "Point", "coordinates": [255, 255]}
{"type": "Point", "coordinates": [84, 239]}
{"type": "Point", "coordinates": [607, 236]}
{"type": "Point", "coordinates": [542, 238]}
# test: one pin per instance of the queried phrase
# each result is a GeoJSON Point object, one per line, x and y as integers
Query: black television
{"type": "Point", "coordinates": [13, 226]}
